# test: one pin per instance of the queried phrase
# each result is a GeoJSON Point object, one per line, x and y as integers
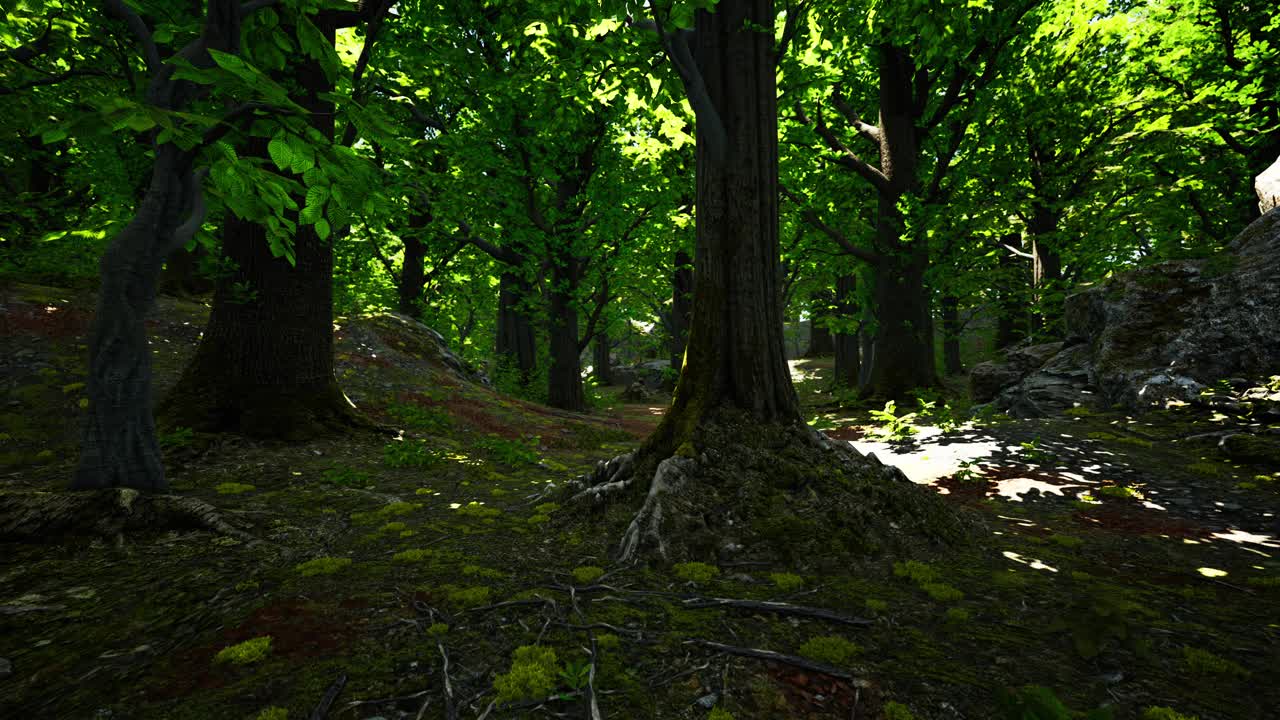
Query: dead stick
{"type": "Point", "coordinates": [326, 702]}
{"type": "Point", "coordinates": [793, 660]}
{"type": "Point", "coordinates": [450, 709]}
{"type": "Point", "coordinates": [778, 608]}
{"type": "Point", "coordinates": [593, 709]}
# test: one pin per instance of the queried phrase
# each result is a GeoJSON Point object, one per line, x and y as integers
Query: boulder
{"type": "Point", "coordinates": [1158, 333]}
{"type": "Point", "coordinates": [651, 373]}
{"type": "Point", "coordinates": [987, 379]}
{"type": "Point", "coordinates": [636, 392]}
{"type": "Point", "coordinates": [1251, 449]}
{"type": "Point", "coordinates": [1267, 186]}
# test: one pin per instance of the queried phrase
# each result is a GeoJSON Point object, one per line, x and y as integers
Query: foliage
{"type": "Point", "coordinates": [245, 653]}
{"type": "Point", "coordinates": [1034, 702]}
{"type": "Point", "coordinates": [893, 427]}
{"type": "Point", "coordinates": [533, 674]}
{"type": "Point", "coordinates": [410, 454]}
{"type": "Point", "coordinates": [696, 571]}
{"type": "Point", "coordinates": [830, 649]}
{"type": "Point", "coordinates": [321, 566]}
{"type": "Point", "coordinates": [894, 710]}
{"type": "Point", "coordinates": [587, 574]}
{"type": "Point", "coordinates": [787, 582]}
{"type": "Point", "coordinates": [345, 476]}
{"type": "Point", "coordinates": [1203, 662]}
{"type": "Point", "coordinates": [509, 452]}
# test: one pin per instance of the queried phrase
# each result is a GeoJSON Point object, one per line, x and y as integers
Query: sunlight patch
{"type": "Point", "coordinates": [1032, 563]}
{"type": "Point", "coordinates": [1237, 535]}
{"type": "Point", "coordinates": [1211, 572]}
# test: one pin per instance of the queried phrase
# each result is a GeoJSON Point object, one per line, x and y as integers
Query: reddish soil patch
{"type": "Point", "coordinates": [848, 433]}
{"type": "Point", "coordinates": [51, 321]}
{"type": "Point", "coordinates": [480, 420]}
{"type": "Point", "coordinates": [1132, 519]}
{"type": "Point", "coordinates": [966, 491]}
{"type": "Point", "coordinates": [808, 692]}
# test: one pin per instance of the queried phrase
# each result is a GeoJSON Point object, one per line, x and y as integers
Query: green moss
{"type": "Point", "coordinates": [719, 713]}
{"type": "Point", "coordinates": [273, 713]}
{"type": "Point", "coordinates": [538, 519]}
{"type": "Point", "coordinates": [249, 651]}
{"type": "Point", "coordinates": [696, 571]}
{"type": "Point", "coordinates": [231, 488]}
{"type": "Point", "coordinates": [475, 509]}
{"type": "Point", "coordinates": [876, 606]}
{"type": "Point", "coordinates": [957, 615]}
{"type": "Point", "coordinates": [1119, 492]}
{"type": "Point", "coordinates": [397, 508]}
{"type": "Point", "coordinates": [484, 572]}
{"type": "Point", "coordinates": [942, 592]}
{"type": "Point", "coordinates": [322, 566]}
{"type": "Point", "coordinates": [467, 597]}
{"type": "Point", "coordinates": [413, 555]}
{"type": "Point", "coordinates": [1078, 411]}
{"type": "Point", "coordinates": [1203, 662]}
{"type": "Point", "coordinates": [437, 629]}
{"type": "Point", "coordinates": [608, 641]}
{"type": "Point", "coordinates": [547, 508]}
{"type": "Point", "coordinates": [1066, 541]}
{"type": "Point", "coordinates": [787, 582]}
{"type": "Point", "coordinates": [1165, 713]}
{"type": "Point", "coordinates": [918, 572]}
{"type": "Point", "coordinates": [830, 649]}
{"type": "Point", "coordinates": [587, 574]}
{"type": "Point", "coordinates": [1271, 582]}
{"type": "Point", "coordinates": [1207, 468]}
{"type": "Point", "coordinates": [897, 711]}
{"type": "Point", "coordinates": [393, 527]}
{"type": "Point", "coordinates": [532, 675]}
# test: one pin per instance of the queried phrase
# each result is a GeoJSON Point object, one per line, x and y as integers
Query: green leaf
{"type": "Point", "coordinates": [53, 135]}
{"type": "Point", "coordinates": [322, 229]}
{"type": "Point", "coordinates": [316, 46]}
{"type": "Point", "coordinates": [280, 152]}
{"type": "Point", "coordinates": [317, 195]}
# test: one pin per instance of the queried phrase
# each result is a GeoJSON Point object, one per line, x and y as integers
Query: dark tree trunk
{"type": "Point", "coordinates": [820, 341]}
{"type": "Point", "coordinates": [681, 306]}
{"type": "Point", "coordinates": [181, 276]}
{"type": "Point", "coordinates": [119, 447]}
{"type": "Point", "coordinates": [264, 367]}
{"type": "Point", "coordinates": [1046, 269]}
{"type": "Point", "coordinates": [951, 335]}
{"type": "Point", "coordinates": [516, 346]}
{"type": "Point", "coordinates": [903, 357]}
{"type": "Point", "coordinates": [1011, 297]}
{"type": "Point", "coordinates": [564, 377]}
{"type": "Point", "coordinates": [601, 366]}
{"type": "Point", "coordinates": [413, 267]}
{"type": "Point", "coordinates": [848, 366]}
{"type": "Point", "coordinates": [735, 351]}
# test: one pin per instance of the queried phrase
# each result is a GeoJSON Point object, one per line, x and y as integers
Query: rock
{"type": "Point", "coordinates": [987, 379]}
{"type": "Point", "coordinates": [653, 374]}
{"type": "Point", "coordinates": [6, 668]}
{"type": "Point", "coordinates": [1159, 333]}
{"type": "Point", "coordinates": [636, 392]}
{"type": "Point", "coordinates": [1251, 448]}
{"type": "Point", "coordinates": [706, 702]}
{"type": "Point", "coordinates": [1267, 186]}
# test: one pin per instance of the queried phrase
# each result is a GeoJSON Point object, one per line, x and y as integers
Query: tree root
{"type": "Point", "coordinates": [110, 513]}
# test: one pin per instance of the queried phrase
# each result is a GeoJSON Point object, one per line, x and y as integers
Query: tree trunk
{"type": "Point", "coordinates": [119, 447]}
{"type": "Point", "coordinates": [264, 367]}
{"type": "Point", "coordinates": [903, 357]}
{"type": "Point", "coordinates": [564, 377]}
{"type": "Point", "coordinates": [181, 276]}
{"type": "Point", "coordinates": [951, 335]}
{"type": "Point", "coordinates": [413, 267]}
{"type": "Point", "coordinates": [820, 341]}
{"type": "Point", "coordinates": [1046, 269]}
{"type": "Point", "coordinates": [516, 346]}
{"type": "Point", "coordinates": [1011, 300]}
{"type": "Point", "coordinates": [735, 353]}
{"type": "Point", "coordinates": [846, 342]}
{"type": "Point", "coordinates": [601, 366]}
{"type": "Point", "coordinates": [681, 306]}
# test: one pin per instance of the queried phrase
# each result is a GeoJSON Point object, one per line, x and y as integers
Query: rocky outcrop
{"type": "Point", "coordinates": [987, 379]}
{"type": "Point", "coordinates": [1159, 333]}
{"type": "Point", "coordinates": [1267, 186]}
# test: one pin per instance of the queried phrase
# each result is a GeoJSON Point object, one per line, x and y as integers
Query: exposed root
{"type": "Point", "coordinates": [783, 493]}
{"type": "Point", "coordinates": [110, 513]}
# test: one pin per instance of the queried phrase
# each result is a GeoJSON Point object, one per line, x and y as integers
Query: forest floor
{"type": "Point", "coordinates": [1124, 564]}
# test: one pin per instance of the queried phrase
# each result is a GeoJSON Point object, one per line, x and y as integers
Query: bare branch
{"type": "Point", "coordinates": [846, 157]}
{"type": "Point", "coordinates": [791, 28]}
{"type": "Point", "coordinates": [140, 31]}
{"type": "Point", "coordinates": [840, 238]}
{"type": "Point", "coordinates": [676, 47]}
{"type": "Point", "coordinates": [866, 130]}
{"type": "Point", "coordinates": [195, 200]}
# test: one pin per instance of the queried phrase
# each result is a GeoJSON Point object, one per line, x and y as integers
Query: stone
{"type": "Point", "coordinates": [987, 379]}
{"type": "Point", "coordinates": [1267, 186]}
{"type": "Point", "coordinates": [1251, 448]}
{"type": "Point", "coordinates": [636, 392]}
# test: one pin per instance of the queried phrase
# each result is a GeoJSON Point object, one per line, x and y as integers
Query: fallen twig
{"type": "Point", "coordinates": [326, 702]}
{"type": "Point", "coordinates": [593, 709]}
{"type": "Point", "coordinates": [779, 608]}
{"type": "Point", "coordinates": [450, 707]}
{"type": "Point", "coordinates": [793, 660]}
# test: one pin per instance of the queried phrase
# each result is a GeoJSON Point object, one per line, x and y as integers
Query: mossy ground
{"type": "Point", "coordinates": [1109, 602]}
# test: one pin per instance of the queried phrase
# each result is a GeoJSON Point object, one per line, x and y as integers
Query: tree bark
{"type": "Point", "coordinates": [516, 346]}
{"type": "Point", "coordinates": [1011, 305]}
{"type": "Point", "coordinates": [1046, 269]}
{"type": "Point", "coordinates": [601, 366]}
{"type": "Point", "coordinates": [413, 267]}
{"type": "Point", "coordinates": [735, 353]}
{"type": "Point", "coordinates": [951, 336]}
{"type": "Point", "coordinates": [820, 340]}
{"type": "Point", "coordinates": [848, 365]}
{"type": "Point", "coordinates": [681, 306]}
{"type": "Point", "coordinates": [264, 367]}
{"type": "Point", "coordinates": [564, 377]}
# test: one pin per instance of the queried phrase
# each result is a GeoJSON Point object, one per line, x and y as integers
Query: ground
{"type": "Point", "coordinates": [1122, 562]}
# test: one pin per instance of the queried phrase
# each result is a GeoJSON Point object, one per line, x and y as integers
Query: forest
{"type": "Point", "coordinates": [697, 359]}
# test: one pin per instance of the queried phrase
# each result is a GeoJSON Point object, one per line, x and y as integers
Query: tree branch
{"type": "Point", "coordinates": [791, 28]}
{"type": "Point", "coordinates": [868, 131]}
{"type": "Point", "coordinates": [370, 37]}
{"type": "Point", "coordinates": [840, 238]}
{"type": "Point", "coordinates": [504, 255]}
{"type": "Point", "coordinates": [847, 157]}
{"type": "Point", "coordinates": [676, 47]}
{"type": "Point", "coordinates": [140, 31]}
{"type": "Point", "coordinates": [195, 200]}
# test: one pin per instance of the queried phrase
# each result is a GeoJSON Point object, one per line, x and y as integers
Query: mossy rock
{"type": "Point", "coordinates": [1252, 449]}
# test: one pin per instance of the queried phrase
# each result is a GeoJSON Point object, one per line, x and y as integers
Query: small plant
{"type": "Point", "coordinates": [467, 597]}
{"type": "Point", "coordinates": [830, 649]}
{"type": "Point", "coordinates": [1165, 713]}
{"type": "Point", "coordinates": [1119, 492]}
{"type": "Point", "coordinates": [696, 571]}
{"type": "Point", "coordinates": [575, 674]}
{"type": "Point", "coordinates": [175, 438]}
{"type": "Point", "coordinates": [321, 566]}
{"type": "Point", "coordinates": [249, 651]}
{"type": "Point", "coordinates": [892, 427]}
{"type": "Point", "coordinates": [917, 572]}
{"type": "Point", "coordinates": [437, 629]}
{"type": "Point", "coordinates": [1034, 452]}
{"type": "Point", "coordinates": [396, 509]}
{"type": "Point", "coordinates": [532, 675]}
{"type": "Point", "coordinates": [1040, 703]}
{"type": "Point", "coordinates": [719, 713]}
{"type": "Point", "coordinates": [897, 711]}
{"type": "Point", "coordinates": [231, 488]}
{"type": "Point", "coordinates": [413, 555]}
{"type": "Point", "coordinates": [1203, 662]}
{"type": "Point", "coordinates": [432, 420]}
{"type": "Point", "coordinates": [587, 574]}
{"type": "Point", "coordinates": [970, 471]}
{"type": "Point", "coordinates": [787, 582]}
{"type": "Point", "coordinates": [273, 713]}
{"type": "Point", "coordinates": [941, 592]}
{"type": "Point", "coordinates": [344, 477]}
{"type": "Point", "coordinates": [409, 454]}
{"type": "Point", "coordinates": [476, 509]}
{"type": "Point", "coordinates": [509, 452]}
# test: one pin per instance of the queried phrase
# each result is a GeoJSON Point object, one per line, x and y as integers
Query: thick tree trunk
{"type": "Point", "coordinates": [903, 357]}
{"type": "Point", "coordinates": [601, 366]}
{"type": "Point", "coordinates": [951, 336]}
{"type": "Point", "coordinates": [820, 340]}
{"type": "Point", "coordinates": [681, 306]}
{"type": "Point", "coordinates": [516, 346]}
{"type": "Point", "coordinates": [265, 364]}
{"type": "Point", "coordinates": [735, 353]}
{"type": "Point", "coordinates": [119, 447]}
{"type": "Point", "coordinates": [848, 365]}
{"type": "Point", "coordinates": [564, 377]}
{"type": "Point", "coordinates": [1011, 296]}
{"type": "Point", "coordinates": [413, 267]}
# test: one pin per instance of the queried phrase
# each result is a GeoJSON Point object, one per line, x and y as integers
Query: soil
{"type": "Point", "coordinates": [1123, 563]}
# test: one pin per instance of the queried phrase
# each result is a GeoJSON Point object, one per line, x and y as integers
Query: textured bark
{"type": "Point", "coordinates": [848, 364]}
{"type": "Point", "coordinates": [951, 336]}
{"type": "Point", "coordinates": [264, 367]}
{"type": "Point", "coordinates": [820, 340]}
{"type": "Point", "coordinates": [1046, 269]}
{"type": "Point", "coordinates": [516, 346]}
{"type": "Point", "coordinates": [601, 365]}
{"type": "Point", "coordinates": [735, 353]}
{"type": "Point", "coordinates": [413, 267]}
{"type": "Point", "coordinates": [564, 377]}
{"type": "Point", "coordinates": [681, 306]}
{"type": "Point", "coordinates": [903, 357]}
